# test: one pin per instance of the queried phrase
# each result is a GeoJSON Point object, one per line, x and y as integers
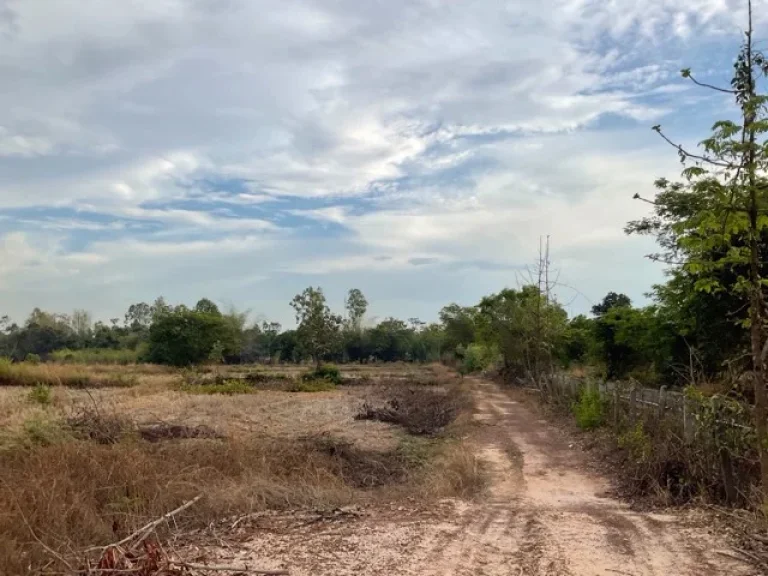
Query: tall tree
{"type": "Point", "coordinates": [319, 328]}
{"type": "Point", "coordinates": [356, 306]}
{"type": "Point", "coordinates": [713, 223]}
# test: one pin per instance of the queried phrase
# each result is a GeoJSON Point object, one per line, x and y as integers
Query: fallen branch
{"type": "Point", "coordinates": [147, 529]}
{"type": "Point", "coordinates": [232, 569]}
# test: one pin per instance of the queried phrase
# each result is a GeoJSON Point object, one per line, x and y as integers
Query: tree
{"type": "Point", "coordinates": [184, 337]}
{"type": "Point", "coordinates": [713, 222]}
{"type": "Point", "coordinates": [319, 328]}
{"type": "Point", "coordinates": [206, 306]}
{"type": "Point", "coordinates": [139, 316]}
{"type": "Point", "coordinates": [611, 300]}
{"type": "Point", "coordinates": [356, 306]}
{"type": "Point", "coordinates": [458, 325]}
{"type": "Point", "coordinates": [81, 323]}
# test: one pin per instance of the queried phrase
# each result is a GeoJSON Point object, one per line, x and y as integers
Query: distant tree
{"type": "Point", "coordinates": [139, 316]}
{"type": "Point", "coordinates": [207, 306]}
{"type": "Point", "coordinates": [357, 306]}
{"type": "Point", "coordinates": [458, 325]}
{"type": "Point", "coordinates": [81, 324]}
{"type": "Point", "coordinates": [392, 340]}
{"type": "Point", "coordinates": [184, 337]}
{"type": "Point", "coordinates": [159, 308]}
{"type": "Point", "coordinates": [611, 300]}
{"type": "Point", "coordinates": [319, 328]}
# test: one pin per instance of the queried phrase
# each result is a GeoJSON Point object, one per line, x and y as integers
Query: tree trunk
{"type": "Point", "coordinates": [757, 305]}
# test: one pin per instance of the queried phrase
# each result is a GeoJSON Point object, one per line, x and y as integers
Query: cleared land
{"type": "Point", "coordinates": [416, 472]}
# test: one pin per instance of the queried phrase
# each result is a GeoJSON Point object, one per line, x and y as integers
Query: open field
{"type": "Point", "coordinates": [411, 470]}
{"type": "Point", "coordinates": [83, 467]}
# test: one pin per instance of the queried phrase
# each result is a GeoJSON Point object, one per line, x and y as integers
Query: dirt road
{"type": "Point", "coordinates": [546, 514]}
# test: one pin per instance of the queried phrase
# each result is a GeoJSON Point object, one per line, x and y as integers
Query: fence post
{"type": "Point", "coordinates": [662, 401]}
{"type": "Point", "coordinates": [633, 404]}
{"type": "Point", "coordinates": [616, 399]}
{"type": "Point", "coordinates": [689, 422]}
{"type": "Point", "coordinates": [574, 388]}
{"type": "Point", "coordinates": [726, 465]}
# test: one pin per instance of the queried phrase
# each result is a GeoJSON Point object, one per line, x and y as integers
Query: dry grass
{"type": "Point", "coordinates": [70, 375]}
{"type": "Point", "coordinates": [79, 471]}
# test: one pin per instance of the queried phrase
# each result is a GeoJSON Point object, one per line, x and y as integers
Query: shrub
{"type": "Point", "coordinates": [228, 387]}
{"type": "Point", "coordinates": [32, 358]}
{"type": "Point", "coordinates": [315, 385]}
{"type": "Point", "coordinates": [96, 356]}
{"type": "Point", "coordinates": [477, 357]}
{"type": "Point", "coordinates": [589, 410]}
{"type": "Point", "coordinates": [327, 372]}
{"type": "Point", "coordinates": [40, 394]}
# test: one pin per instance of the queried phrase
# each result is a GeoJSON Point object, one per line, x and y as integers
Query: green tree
{"type": "Point", "coordinates": [185, 337]}
{"type": "Point", "coordinates": [715, 218]}
{"type": "Point", "coordinates": [319, 329]}
{"type": "Point", "coordinates": [206, 306]}
{"type": "Point", "coordinates": [356, 306]}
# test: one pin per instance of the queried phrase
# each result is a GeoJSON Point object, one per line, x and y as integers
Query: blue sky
{"type": "Point", "coordinates": [415, 149]}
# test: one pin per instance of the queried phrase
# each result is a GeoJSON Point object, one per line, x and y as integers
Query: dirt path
{"type": "Point", "coordinates": [546, 514]}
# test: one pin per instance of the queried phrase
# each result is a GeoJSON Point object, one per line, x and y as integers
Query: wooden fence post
{"type": "Point", "coordinates": [616, 399]}
{"type": "Point", "coordinates": [633, 404]}
{"type": "Point", "coordinates": [689, 421]}
{"type": "Point", "coordinates": [726, 465]}
{"type": "Point", "coordinates": [662, 402]}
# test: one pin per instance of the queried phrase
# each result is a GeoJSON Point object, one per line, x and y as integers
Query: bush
{"type": "Point", "coordinates": [477, 358]}
{"type": "Point", "coordinates": [96, 356]}
{"type": "Point", "coordinates": [328, 372]}
{"type": "Point", "coordinates": [228, 387]}
{"type": "Point", "coordinates": [40, 394]}
{"type": "Point", "coordinates": [316, 385]}
{"type": "Point", "coordinates": [589, 410]}
{"type": "Point", "coordinates": [32, 358]}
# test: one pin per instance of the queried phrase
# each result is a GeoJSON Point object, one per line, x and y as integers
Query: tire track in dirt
{"type": "Point", "coordinates": [543, 515]}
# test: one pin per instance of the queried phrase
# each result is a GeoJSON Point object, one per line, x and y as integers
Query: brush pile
{"type": "Point", "coordinates": [142, 554]}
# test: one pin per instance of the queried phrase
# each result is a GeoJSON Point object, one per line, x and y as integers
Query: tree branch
{"type": "Point", "coordinates": [687, 154]}
{"type": "Point", "coordinates": [687, 74]}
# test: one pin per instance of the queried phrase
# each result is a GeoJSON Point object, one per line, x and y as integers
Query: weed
{"type": "Point", "coordinates": [30, 374]}
{"type": "Point", "coordinates": [589, 410]}
{"type": "Point", "coordinates": [40, 394]}
{"type": "Point", "coordinates": [637, 443]}
{"type": "Point", "coordinates": [42, 432]}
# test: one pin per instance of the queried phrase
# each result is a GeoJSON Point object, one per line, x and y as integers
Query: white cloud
{"type": "Point", "coordinates": [456, 133]}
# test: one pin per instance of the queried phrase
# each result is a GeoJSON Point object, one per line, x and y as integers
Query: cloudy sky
{"type": "Point", "coordinates": [415, 149]}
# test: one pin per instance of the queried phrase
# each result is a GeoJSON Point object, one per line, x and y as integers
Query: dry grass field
{"type": "Point", "coordinates": [90, 453]}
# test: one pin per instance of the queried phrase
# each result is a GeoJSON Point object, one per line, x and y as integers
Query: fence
{"type": "Point", "coordinates": [713, 436]}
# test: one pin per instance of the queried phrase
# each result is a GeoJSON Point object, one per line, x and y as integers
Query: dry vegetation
{"type": "Point", "coordinates": [83, 468]}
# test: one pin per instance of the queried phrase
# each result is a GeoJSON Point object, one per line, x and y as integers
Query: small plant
{"type": "Point", "coordinates": [637, 443]}
{"type": "Point", "coordinates": [589, 410]}
{"type": "Point", "coordinates": [32, 358]}
{"type": "Point", "coordinates": [40, 394]}
{"type": "Point", "coordinates": [327, 372]}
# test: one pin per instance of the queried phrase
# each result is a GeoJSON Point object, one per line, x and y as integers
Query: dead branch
{"type": "Point", "coordinates": [242, 569]}
{"type": "Point", "coordinates": [143, 532]}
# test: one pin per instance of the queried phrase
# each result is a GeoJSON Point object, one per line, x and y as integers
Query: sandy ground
{"type": "Point", "coordinates": [545, 514]}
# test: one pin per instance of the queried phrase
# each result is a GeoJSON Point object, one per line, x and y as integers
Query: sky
{"type": "Point", "coordinates": [243, 150]}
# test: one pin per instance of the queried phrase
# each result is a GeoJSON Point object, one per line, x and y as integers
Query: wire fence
{"type": "Point", "coordinates": [713, 437]}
